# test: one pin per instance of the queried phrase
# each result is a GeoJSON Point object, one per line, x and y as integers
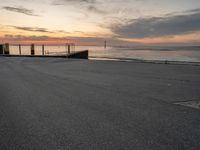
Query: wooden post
{"type": "Point", "coordinates": [6, 49]}
{"type": "Point", "coordinates": [73, 47]}
{"type": "Point", "coordinates": [43, 49]}
{"type": "Point", "coordinates": [32, 49]}
{"type": "Point", "coordinates": [68, 48]}
{"type": "Point", "coordinates": [20, 50]}
{"type": "Point", "coordinates": [1, 49]}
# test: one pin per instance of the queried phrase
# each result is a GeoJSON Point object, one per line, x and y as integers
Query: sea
{"type": "Point", "coordinates": [162, 53]}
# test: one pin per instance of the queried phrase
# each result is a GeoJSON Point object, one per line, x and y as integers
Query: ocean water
{"type": "Point", "coordinates": [189, 54]}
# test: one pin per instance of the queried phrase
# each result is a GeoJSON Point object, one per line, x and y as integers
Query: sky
{"type": "Point", "coordinates": [91, 22]}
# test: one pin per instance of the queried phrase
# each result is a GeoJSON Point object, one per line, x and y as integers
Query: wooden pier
{"type": "Point", "coordinates": [79, 55]}
{"type": "Point", "coordinates": [5, 52]}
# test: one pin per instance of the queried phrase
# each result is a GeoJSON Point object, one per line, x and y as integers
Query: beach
{"type": "Point", "coordinates": [67, 104]}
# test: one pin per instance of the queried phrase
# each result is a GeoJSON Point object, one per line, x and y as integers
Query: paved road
{"type": "Point", "coordinates": [59, 104]}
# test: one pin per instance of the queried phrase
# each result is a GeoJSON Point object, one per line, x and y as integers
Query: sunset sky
{"type": "Point", "coordinates": [90, 22]}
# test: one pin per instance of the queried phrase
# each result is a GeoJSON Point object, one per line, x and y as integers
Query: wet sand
{"type": "Point", "coordinates": [58, 104]}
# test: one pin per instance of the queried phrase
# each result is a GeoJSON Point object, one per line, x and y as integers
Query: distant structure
{"type": "Point", "coordinates": [70, 47]}
{"type": "Point", "coordinates": [105, 44]}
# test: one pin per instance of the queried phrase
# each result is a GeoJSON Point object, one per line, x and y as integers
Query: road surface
{"type": "Point", "coordinates": [60, 104]}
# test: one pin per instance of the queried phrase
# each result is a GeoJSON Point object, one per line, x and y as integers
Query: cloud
{"type": "Point", "coordinates": [56, 40]}
{"type": "Point", "coordinates": [85, 1]}
{"type": "Point", "coordinates": [159, 26]}
{"type": "Point", "coordinates": [22, 37]}
{"type": "Point", "coordinates": [63, 2]}
{"type": "Point", "coordinates": [96, 10]}
{"type": "Point", "coordinates": [33, 29]}
{"type": "Point", "coordinates": [86, 6]}
{"type": "Point", "coordinates": [37, 29]}
{"type": "Point", "coordinates": [22, 10]}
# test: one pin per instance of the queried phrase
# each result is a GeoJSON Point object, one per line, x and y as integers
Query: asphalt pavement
{"type": "Point", "coordinates": [64, 104]}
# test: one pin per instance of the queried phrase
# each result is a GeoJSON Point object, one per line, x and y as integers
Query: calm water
{"type": "Point", "coordinates": [191, 54]}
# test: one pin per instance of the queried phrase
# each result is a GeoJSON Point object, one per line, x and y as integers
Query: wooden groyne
{"type": "Point", "coordinates": [78, 55]}
{"type": "Point", "coordinates": [5, 52]}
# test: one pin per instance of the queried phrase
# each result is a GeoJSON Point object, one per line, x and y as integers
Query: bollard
{"type": "Point", "coordinates": [32, 49]}
{"type": "Point", "coordinates": [42, 49]}
{"type": "Point", "coordinates": [6, 49]}
{"type": "Point", "coordinates": [20, 50]}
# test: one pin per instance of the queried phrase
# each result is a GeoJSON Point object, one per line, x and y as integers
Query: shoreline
{"type": "Point", "coordinates": [146, 61]}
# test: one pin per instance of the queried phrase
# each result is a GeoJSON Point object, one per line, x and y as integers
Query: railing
{"type": "Point", "coordinates": [35, 49]}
